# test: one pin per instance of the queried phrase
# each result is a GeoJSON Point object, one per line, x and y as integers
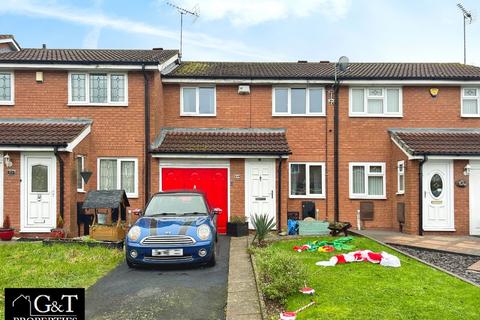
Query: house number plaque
{"type": "Point", "coordinates": [11, 172]}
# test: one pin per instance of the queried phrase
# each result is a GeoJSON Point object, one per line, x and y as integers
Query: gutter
{"type": "Point", "coordinates": [420, 195]}
{"type": "Point", "coordinates": [62, 182]}
{"type": "Point", "coordinates": [336, 153]}
{"type": "Point", "coordinates": [147, 134]}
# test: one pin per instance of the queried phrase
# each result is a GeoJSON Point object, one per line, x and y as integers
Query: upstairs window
{"type": "Point", "coordinates": [197, 101]}
{"type": "Point", "coordinates": [97, 88]}
{"type": "Point", "coordinates": [367, 180]}
{"type": "Point", "coordinates": [470, 102]}
{"type": "Point", "coordinates": [6, 88]}
{"type": "Point", "coordinates": [298, 101]}
{"type": "Point", "coordinates": [375, 102]}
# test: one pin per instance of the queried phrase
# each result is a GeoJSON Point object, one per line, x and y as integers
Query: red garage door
{"type": "Point", "coordinates": [213, 182]}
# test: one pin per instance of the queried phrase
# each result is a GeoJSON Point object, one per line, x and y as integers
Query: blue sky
{"type": "Point", "coordinates": [250, 30]}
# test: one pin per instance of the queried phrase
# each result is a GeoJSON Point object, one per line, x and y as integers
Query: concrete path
{"type": "Point", "coordinates": [166, 293]}
{"type": "Point", "coordinates": [243, 301]}
{"type": "Point", "coordinates": [456, 244]}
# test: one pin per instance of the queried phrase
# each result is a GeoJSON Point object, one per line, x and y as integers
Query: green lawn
{"type": "Point", "coordinates": [363, 290]}
{"type": "Point", "coordinates": [35, 265]}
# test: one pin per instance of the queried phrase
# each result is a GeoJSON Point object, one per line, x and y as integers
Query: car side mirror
{"type": "Point", "coordinates": [217, 211]}
{"type": "Point", "coordinates": [137, 212]}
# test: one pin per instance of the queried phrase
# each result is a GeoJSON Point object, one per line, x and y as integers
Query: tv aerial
{"type": "Point", "coordinates": [195, 13]}
{"type": "Point", "coordinates": [467, 16]}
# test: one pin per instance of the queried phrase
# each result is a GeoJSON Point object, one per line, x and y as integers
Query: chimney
{"type": "Point", "coordinates": [157, 49]}
{"type": "Point", "coordinates": [44, 46]}
{"type": "Point", "coordinates": [302, 61]}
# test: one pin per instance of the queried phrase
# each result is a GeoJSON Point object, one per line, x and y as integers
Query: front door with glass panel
{"type": "Point", "coordinates": [438, 195]}
{"type": "Point", "coordinates": [39, 198]}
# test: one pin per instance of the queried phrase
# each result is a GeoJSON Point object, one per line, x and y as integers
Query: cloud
{"type": "Point", "coordinates": [245, 13]}
{"type": "Point", "coordinates": [54, 10]}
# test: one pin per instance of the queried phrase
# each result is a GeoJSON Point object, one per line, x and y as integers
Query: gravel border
{"type": "Point", "coordinates": [454, 262]}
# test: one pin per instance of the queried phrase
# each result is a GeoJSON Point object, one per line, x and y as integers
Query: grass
{"type": "Point", "coordinates": [363, 290]}
{"type": "Point", "coordinates": [36, 266]}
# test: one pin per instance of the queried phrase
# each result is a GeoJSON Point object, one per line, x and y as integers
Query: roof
{"type": "Point", "coordinates": [433, 141]}
{"type": "Point", "coordinates": [325, 71]}
{"type": "Point", "coordinates": [222, 141]}
{"type": "Point", "coordinates": [88, 56]}
{"type": "Point", "coordinates": [41, 132]}
{"type": "Point", "coordinates": [99, 199]}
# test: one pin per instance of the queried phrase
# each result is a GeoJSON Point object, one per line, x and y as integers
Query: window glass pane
{"type": "Point", "coordinates": [375, 92]}
{"type": "Point", "coordinates": [436, 185]}
{"type": "Point", "coordinates": [117, 88]}
{"type": "Point", "coordinates": [358, 176]}
{"type": "Point", "coordinates": [298, 101]}
{"type": "Point", "coordinates": [316, 101]}
{"type": "Point", "coordinates": [401, 182]}
{"type": "Point", "coordinates": [357, 100]}
{"type": "Point", "coordinates": [79, 169]}
{"type": "Point", "coordinates": [393, 100]}
{"type": "Point", "coordinates": [281, 100]}
{"type": "Point", "coordinates": [375, 186]}
{"type": "Point", "coordinates": [39, 178]}
{"type": "Point", "coordinates": [298, 180]}
{"type": "Point", "coordinates": [470, 106]}
{"type": "Point", "coordinates": [316, 179]}
{"type": "Point", "coordinates": [78, 89]}
{"type": "Point", "coordinates": [108, 174]}
{"type": "Point", "coordinates": [375, 106]}
{"type": "Point", "coordinates": [189, 99]}
{"type": "Point", "coordinates": [470, 92]}
{"type": "Point", "coordinates": [128, 176]}
{"type": "Point", "coordinates": [5, 87]}
{"type": "Point", "coordinates": [207, 100]}
{"type": "Point", "coordinates": [375, 169]}
{"type": "Point", "coordinates": [98, 88]}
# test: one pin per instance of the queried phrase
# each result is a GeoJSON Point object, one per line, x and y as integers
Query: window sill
{"type": "Point", "coordinates": [306, 197]}
{"type": "Point", "coordinates": [299, 115]}
{"type": "Point", "coordinates": [7, 103]}
{"type": "Point", "coordinates": [81, 191]}
{"type": "Point", "coordinates": [400, 193]}
{"type": "Point", "coordinates": [367, 198]}
{"type": "Point", "coordinates": [351, 115]}
{"type": "Point", "coordinates": [97, 104]}
{"type": "Point", "coordinates": [198, 115]}
{"type": "Point", "coordinates": [470, 115]}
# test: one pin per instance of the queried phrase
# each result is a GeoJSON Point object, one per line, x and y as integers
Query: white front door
{"type": "Point", "coordinates": [438, 195]}
{"type": "Point", "coordinates": [38, 196]}
{"type": "Point", "coordinates": [474, 198]}
{"type": "Point", "coordinates": [259, 188]}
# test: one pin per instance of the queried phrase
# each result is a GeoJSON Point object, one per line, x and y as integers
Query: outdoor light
{"type": "Point", "coordinates": [467, 169]}
{"type": "Point", "coordinates": [8, 162]}
{"type": "Point", "coordinates": [133, 254]}
{"type": "Point", "coordinates": [202, 252]}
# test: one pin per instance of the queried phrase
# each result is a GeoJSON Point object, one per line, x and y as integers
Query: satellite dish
{"type": "Point", "coordinates": [343, 63]}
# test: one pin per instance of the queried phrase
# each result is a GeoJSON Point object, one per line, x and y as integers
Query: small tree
{"type": "Point", "coordinates": [263, 225]}
{"type": "Point", "coordinates": [59, 222]}
{"type": "Point", "coordinates": [6, 222]}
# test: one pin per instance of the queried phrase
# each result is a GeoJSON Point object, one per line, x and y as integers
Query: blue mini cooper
{"type": "Point", "coordinates": [176, 228]}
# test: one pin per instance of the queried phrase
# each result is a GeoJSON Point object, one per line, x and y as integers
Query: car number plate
{"type": "Point", "coordinates": [167, 252]}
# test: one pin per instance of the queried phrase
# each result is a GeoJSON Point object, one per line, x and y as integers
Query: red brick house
{"type": "Point", "coordinates": [257, 137]}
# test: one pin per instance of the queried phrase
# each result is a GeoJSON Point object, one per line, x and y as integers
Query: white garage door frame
{"type": "Point", "coordinates": [474, 201]}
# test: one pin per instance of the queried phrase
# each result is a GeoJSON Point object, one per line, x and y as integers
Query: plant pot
{"type": "Point", "coordinates": [6, 234]}
{"type": "Point", "coordinates": [57, 233]}
{"type": "Point", "coordinates": [237, 229]}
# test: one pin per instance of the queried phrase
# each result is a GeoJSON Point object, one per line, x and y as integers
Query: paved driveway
{"type": "Point", "coordinates": [185, 293]}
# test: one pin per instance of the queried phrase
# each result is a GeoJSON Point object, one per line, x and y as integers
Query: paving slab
{"type": "Point", "coordinates": [475, 267]}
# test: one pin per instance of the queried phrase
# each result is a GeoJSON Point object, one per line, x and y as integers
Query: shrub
{"type": "Point", "coordinates": [238, 219]}
{"type": "Point", "coordinates": [263, 225]}
{"type": "Point", "coordinates": [280, 274]}
{"type": "Point", "coordinates": [6, 222]}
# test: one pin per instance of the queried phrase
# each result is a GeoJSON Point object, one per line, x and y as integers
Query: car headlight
{"type": "Point", "coordinates": [134, 233]}
{"type": "Point", "coordinates": [203, 232]}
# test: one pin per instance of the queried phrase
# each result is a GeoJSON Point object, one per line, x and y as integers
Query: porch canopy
{"type": "Point", "coordinates": [454, 142]}
{"type": "Point", "coordinates": [42, 134]}
{"type": "Point", "coordinates": [229, 142]}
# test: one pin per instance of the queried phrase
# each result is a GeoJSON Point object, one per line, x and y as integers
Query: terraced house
{"type": "Point", "coordinates": [396, 142]}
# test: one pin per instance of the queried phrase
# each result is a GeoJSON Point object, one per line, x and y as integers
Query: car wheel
{"type": "Point", "coordinates": [212, 261]}
{"type": "Point", "coordinates": [131, 264]}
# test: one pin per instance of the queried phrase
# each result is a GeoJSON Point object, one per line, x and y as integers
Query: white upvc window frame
{"type": "Point", "coordinates": [307, 102]}
{"type": "Point", "coordinates": [119, 173]}
{"type": "Point", "coordinates": [463, 97]}
{"type": "Point", "coordinates": [400, 173]}
{"type": "Point", "coordinates": [87, 90]}
{"type": "Point", "coordinates": [10, 102]}
{"type": "Point", "coordinates": [384, 97]}
{"type": "Point", "coordinates": [367, 166]}
{"type": "Point", "coordinates": [197, 101]}
{"type": "Point", "coordinates": [308, 195]}
{"type": "Point", "coordinates": [82, 189]}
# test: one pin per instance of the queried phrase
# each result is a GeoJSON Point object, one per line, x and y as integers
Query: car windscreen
{"type": "Point", "coordinates": [176, 204]}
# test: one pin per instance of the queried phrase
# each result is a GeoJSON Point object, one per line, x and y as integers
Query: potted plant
{"type": "Point", "coordinates": [58, 232]}
{"type": "Point", "coordinates": [6, 233]}
{"type": "Point", "coordinates": [237, 227]}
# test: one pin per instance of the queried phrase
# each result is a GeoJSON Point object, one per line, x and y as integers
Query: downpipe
{"type": "Point", "coordinates": [62, 182]}
{"type": "Point", "coordinates": [420, 195]}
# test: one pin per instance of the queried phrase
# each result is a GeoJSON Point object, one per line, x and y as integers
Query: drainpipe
{"type": "Point", "coordinates": [62, 182]}
{"type": "Point", "coordinates": [420, 195]}
{"type": "Point", "coordinates": [279, 194]}
{"type": "Point", "coordinates": [147, 134]}
{"type": "Point", "coordinates": [336, 152]}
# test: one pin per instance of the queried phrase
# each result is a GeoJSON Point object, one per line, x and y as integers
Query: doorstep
{"type": "Point", "coordinates": [242, 302]}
